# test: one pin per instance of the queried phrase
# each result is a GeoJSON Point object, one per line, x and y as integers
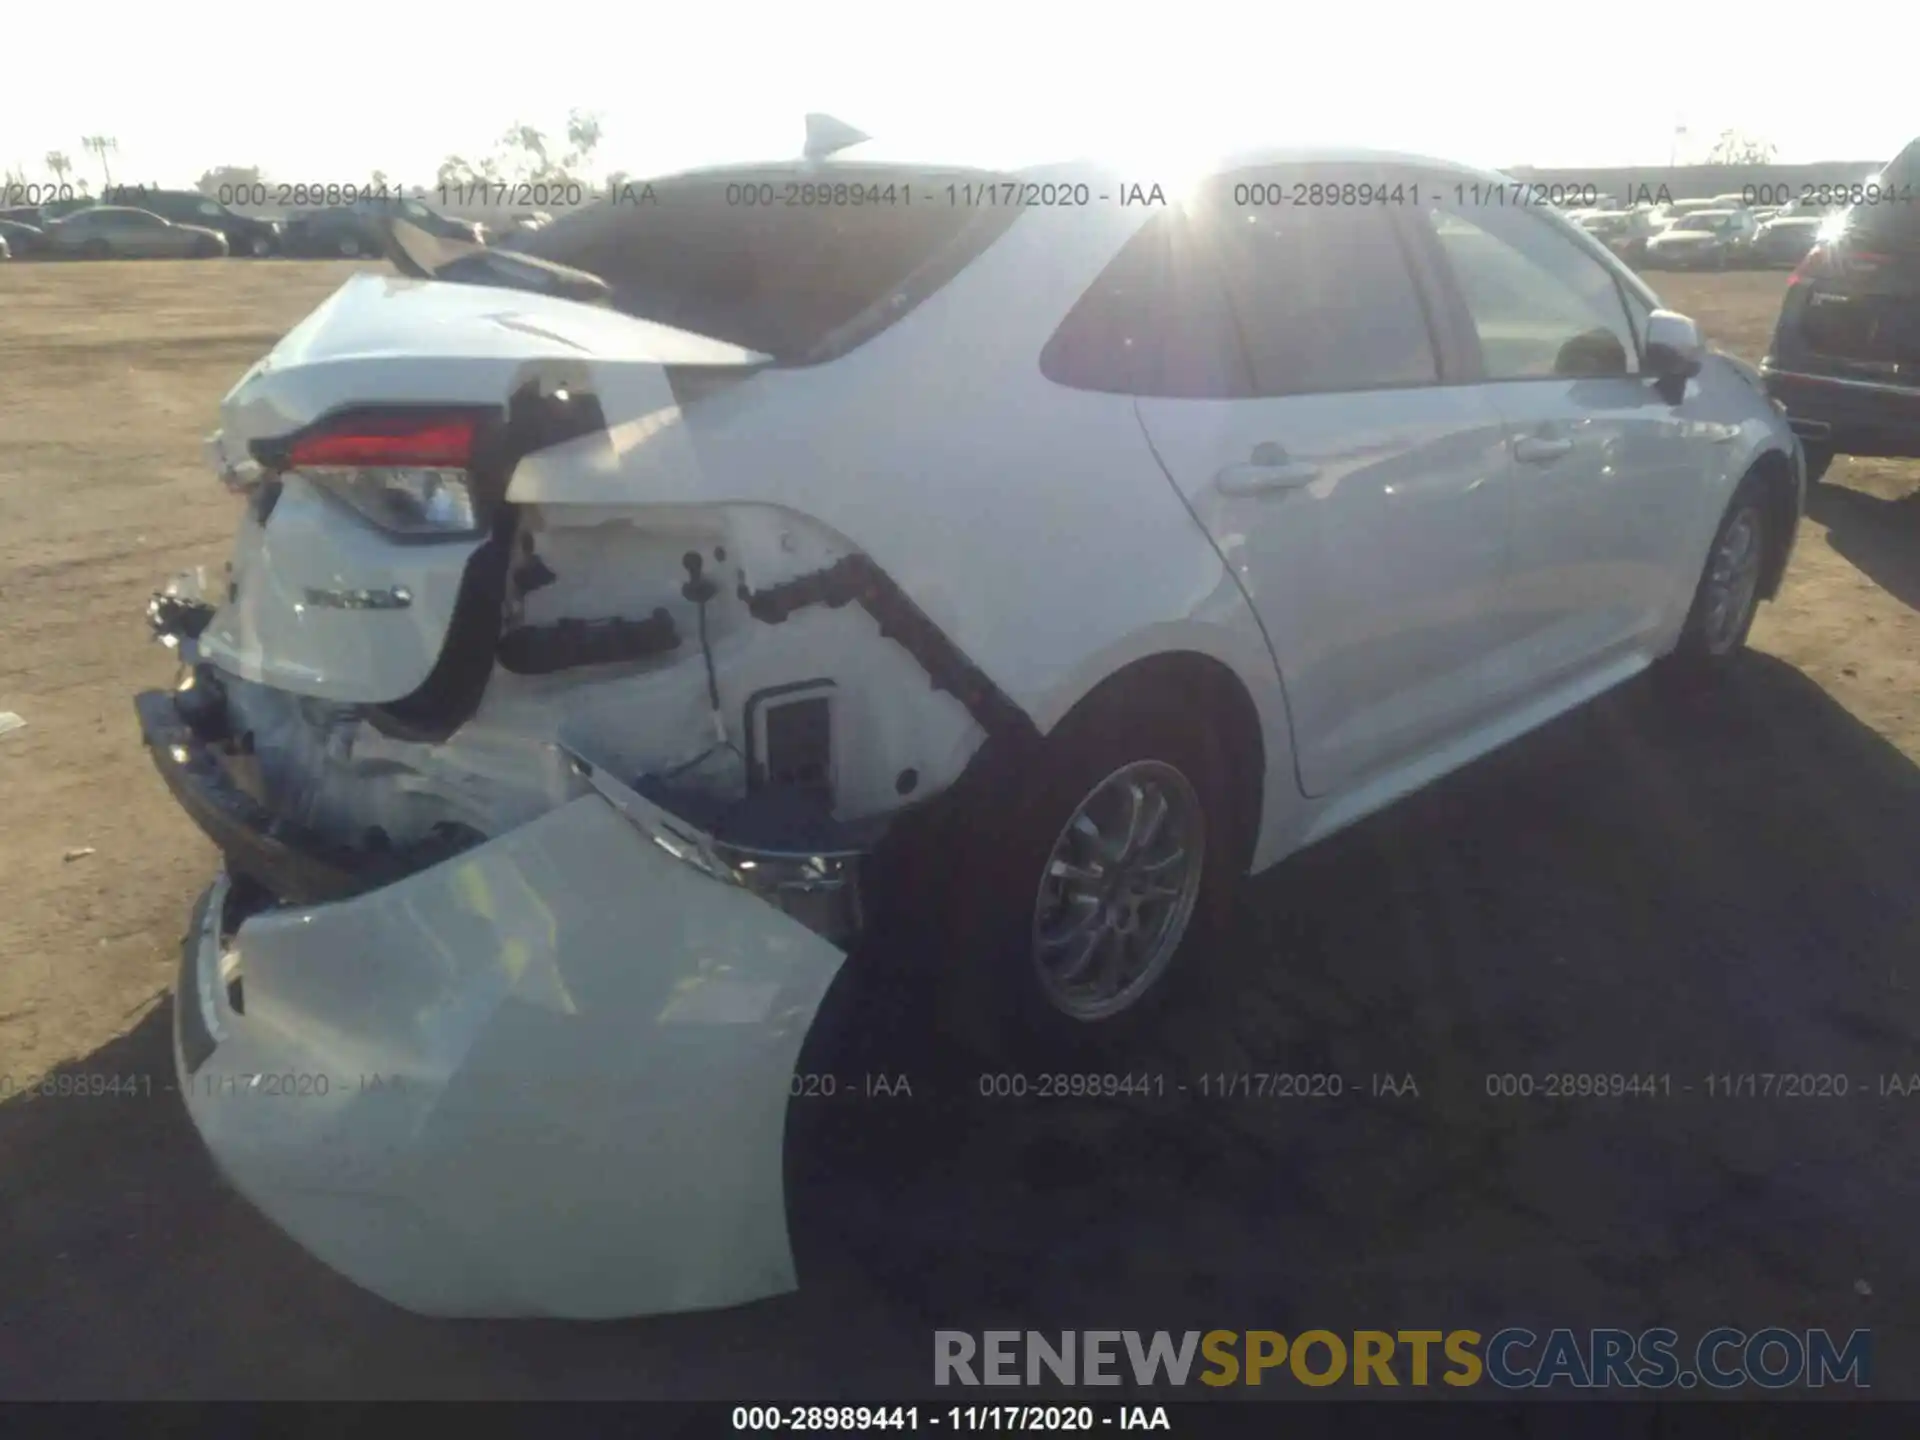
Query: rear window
{"type": "Point", "coordinates": [782, 261]}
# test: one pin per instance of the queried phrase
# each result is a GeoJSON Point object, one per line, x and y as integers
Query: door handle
{"type": "Point", "coordinates": [1539, 450]}
{"type": "Point", "coordinates": [1251, 479]}
{"type": "Point", "coordinates": [1268, 471]}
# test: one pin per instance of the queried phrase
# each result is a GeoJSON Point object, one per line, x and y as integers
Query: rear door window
{"type": "Point", "coordinates": [722, 253]}
{"type": "Point", "coordinates": [1156, 322]}
{"type": "Point", "coordinates": [1322, 293]}
{"type": "Point", "coordinates": [1244, 293]}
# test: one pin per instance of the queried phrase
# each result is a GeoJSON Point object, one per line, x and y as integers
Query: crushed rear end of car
{"type": "Point", "coordinates": [543, 752]}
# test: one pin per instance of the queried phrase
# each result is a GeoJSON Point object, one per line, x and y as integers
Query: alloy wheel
{"type": "Point", "coordinates": [1733, 581]}
{"type": "Point", "coordinates": [1118, 890]}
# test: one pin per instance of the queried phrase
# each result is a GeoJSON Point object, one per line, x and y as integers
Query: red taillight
{"type": "Point", "coordinates": [1811, 266]}
{"type": "Point", "coordinates": [442, 441]}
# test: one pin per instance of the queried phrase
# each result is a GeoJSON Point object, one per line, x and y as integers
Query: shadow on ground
{"type": "Point", "coordinates": [1881, 537]}
{"type": "Point", "coordinates": [1655, 887]}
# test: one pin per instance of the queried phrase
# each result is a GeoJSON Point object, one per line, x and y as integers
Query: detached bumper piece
{"type": "Point", "coordinates": [185, 732]}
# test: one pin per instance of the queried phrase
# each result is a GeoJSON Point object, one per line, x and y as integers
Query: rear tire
{"type": "Point", "coordinates": [1728, 595]}
{"type": "Point", "coordinates": [1056, 939]}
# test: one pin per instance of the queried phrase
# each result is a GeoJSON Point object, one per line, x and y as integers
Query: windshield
{"type": "Point", "coordinates": [719, 253]}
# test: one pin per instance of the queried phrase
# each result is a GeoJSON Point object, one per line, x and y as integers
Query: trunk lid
{"type": "Point", "coordinates": [324, 603]}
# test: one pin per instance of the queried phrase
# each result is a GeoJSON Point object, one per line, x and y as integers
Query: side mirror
{"type": "Point", "coordinates": [1674, 348]}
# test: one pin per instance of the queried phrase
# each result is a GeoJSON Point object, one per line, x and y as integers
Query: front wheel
{"type": "Point", "coordinates": [1728, 595]}
{"type": "Point", "coordinates": [1085, 893]}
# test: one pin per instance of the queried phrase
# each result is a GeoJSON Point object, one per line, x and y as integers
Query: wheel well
{"type": "Point", "coordinates": [1218, 702]}
{"type": "Point", "coordinates": [1774, 474]}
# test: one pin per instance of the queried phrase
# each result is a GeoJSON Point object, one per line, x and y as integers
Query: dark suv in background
{"type": "Point", "coordinates": [1845, 358]}
{"type": "Point", "coordinates": [246, 234]}
{"type": "Point", "coordinates": [354, 229]}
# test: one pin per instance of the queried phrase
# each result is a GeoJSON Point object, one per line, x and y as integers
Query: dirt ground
{"type": "Point", "coordinates": [1720, 888]}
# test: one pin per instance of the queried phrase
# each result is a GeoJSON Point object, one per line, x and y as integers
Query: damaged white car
{"type": "Point", "coordinates": [618, 627]}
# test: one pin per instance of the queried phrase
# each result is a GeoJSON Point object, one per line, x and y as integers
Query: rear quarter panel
{"type": "Point", "coordinates": [1031, 522]}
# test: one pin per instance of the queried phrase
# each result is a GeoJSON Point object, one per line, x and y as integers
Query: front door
{"type": "Point", "coordinates": [1607, 470]}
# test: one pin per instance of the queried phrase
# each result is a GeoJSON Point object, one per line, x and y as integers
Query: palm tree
{"type": "Point", "coordinates": [60, 166]}
{"type": "Point", "coordinates": [102, 145]}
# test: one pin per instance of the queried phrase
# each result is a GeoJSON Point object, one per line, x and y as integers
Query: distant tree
{"type": "Point", "coordinates": [231, 177]}
{"type": "Point", "coordinates": [103, 146]}
{"type": "Point", "coordinates": [1736, 147]}
{"type": "Point", "coordinates": [59, 165]}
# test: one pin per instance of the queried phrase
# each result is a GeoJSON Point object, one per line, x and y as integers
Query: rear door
{"type": "Point", "coordinates": [1298, 399]}
{"type": "Point", "coordinates": [1607, 470]}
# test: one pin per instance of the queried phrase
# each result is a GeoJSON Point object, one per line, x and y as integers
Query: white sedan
{"type": "Point", "coordinates": [1011, 561]}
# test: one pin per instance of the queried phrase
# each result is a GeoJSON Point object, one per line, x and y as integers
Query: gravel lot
{"type": "Point", "coordinates": [1719, 888]}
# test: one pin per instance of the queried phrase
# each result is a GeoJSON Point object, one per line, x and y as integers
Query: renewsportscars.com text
{"type": "Point", "coordinates": [1513, 1359]}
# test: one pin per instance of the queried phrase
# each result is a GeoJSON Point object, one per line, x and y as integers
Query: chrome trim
{"type": "Point", "coordinates": [1771, 373]}
{"type": "Point", "coordinates": [397, 597]}
{"type": "Point", "coordinates": [783, 878]}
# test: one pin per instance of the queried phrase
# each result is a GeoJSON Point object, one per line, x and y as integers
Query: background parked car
{"type": "Point", "coordinates": [351, 230]}
{"type": "Point", "coordinates": [1845, 357]}
{"type": "Point", "coordinates": [1667, 215]}
{"type": "Point", "coordinates": [1709, 239]}
{"type": "Point", "coordinates": [1625, 232]}
{"type": "Point", "coordinates": [113, 232]}
{"type": "Point", "coordinates": [1804, 208]}
{"type": "Point", "coordinates": [23, 240]}
{"type": "Point", "coordinates": [6, 250]}
{"type": "Point", "coordinates": [245, 234]}
{"type": "Point", "coordinates": [1784, 242]}
{"type": "Point", "coordinates": [73, 205]}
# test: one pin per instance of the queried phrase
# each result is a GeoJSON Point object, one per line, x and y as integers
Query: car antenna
{"type": "Point", "coordinates": [825, 135]}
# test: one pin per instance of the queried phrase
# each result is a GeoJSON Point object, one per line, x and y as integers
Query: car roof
{"type": "Point", "coordinates": [1163, 170]}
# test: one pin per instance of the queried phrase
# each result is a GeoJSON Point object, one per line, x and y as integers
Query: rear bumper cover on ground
{"type": "Point", "coordinates": [547, 1077]}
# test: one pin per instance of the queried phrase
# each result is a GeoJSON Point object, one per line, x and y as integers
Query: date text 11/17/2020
{"type": "Point", "coordinates": [1723, 1085]}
